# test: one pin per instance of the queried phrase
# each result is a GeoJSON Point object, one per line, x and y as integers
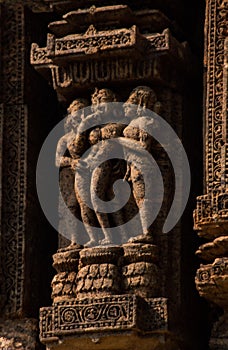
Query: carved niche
{"type": "Point", "coordinates": [101, 287]}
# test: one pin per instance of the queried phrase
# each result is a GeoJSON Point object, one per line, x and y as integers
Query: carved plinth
{"type": "Point", "coordinates": [99, 272]}
{"type": "Point", "coordinates": [140, 271]}
{"type": "Point", "coordinates": [212, 284]}
{"type": "Point", "coordinates": [105, 291]}
{"type": "Point", "coordinates": [64, 283]}
{"type": "Point", "coordinates": [116, 314]}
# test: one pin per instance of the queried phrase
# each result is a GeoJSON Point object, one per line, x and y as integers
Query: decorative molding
{"type": "Point", "coordinates": [116, 313]}
{"type": "Point", "coordinates": [14, 198]}
{"type": "Point", "coordinates": [214, 63]}
{"type": "Point", "coordinates": [121, 42]}
{"type": "Point", "coordinates": [211, 214]}
{"type": "Point", "coordinates": [14, 160]}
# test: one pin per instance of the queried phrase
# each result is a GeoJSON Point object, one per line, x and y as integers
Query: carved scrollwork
{"type": "Point", "coordinates": [112, 313]}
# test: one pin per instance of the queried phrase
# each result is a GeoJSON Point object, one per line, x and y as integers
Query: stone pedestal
{"type": "Point", "coordinates": [129, 341]}
{"type": "Point", "coordinates": [113, 294]}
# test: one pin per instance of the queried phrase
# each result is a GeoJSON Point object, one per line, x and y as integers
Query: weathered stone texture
{"type": "Point", "coordinates": [18, 334]}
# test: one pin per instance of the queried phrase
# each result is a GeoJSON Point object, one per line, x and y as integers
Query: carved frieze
{"type": "Point", "coordinates": [94, 41]}
{"type": "Point", "coordinates": [112, 313]}
{"type": "Point", "coordinates": [102, 55]}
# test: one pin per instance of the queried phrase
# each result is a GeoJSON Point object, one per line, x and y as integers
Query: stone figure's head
{"type": "Point", "coordinates": [142, 96]}
{"type": "Point", "coordinates": [75, 113]}
{"type": "Point", "coordinates": [101, 99]}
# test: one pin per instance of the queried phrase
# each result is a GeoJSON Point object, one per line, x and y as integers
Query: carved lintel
{"type": "Point", "coordinates": [117, 313]}
{"type": "Point", "coordinates": [119, 42]}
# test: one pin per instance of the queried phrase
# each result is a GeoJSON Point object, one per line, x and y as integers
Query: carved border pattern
{"type": "Point", "coordinates": [14, 161]}
{"type": "Point", "coordinates": [216, 19]}
{"type": "Point", "coordinates": [212, 206]}
{"type": "Point", "coordinates": [116, 312]}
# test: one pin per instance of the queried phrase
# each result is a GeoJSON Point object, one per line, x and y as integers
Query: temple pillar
{"type": "Point", "coordinates": [130, 295]}
{"type": "Point", "coordinates": [211, 213]}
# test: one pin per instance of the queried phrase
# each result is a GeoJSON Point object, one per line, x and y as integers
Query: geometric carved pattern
{"type": "Point", "coordinates": [111, 56]}
{"type": "Point", "coordinates": [211, 214]}
{"type": "Point", "coordinates": [14, 160]}
{"type": "Point", "coordinates": [111, 313]}
{"type": "Point", "coordinates": [214, 57]}
{"type": "Point", "coordinates": [98, 42]}
{"type": "Point", "coordinates": [213, 206]}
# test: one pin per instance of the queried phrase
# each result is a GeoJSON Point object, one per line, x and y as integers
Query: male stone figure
{"type": "Point", "coordinates": [90, 183]}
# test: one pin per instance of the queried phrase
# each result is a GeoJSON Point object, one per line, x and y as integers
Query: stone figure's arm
{"type": "Point", "coordinates": [131, 132]}
{"type": "Point", "coordinates": [78, 145]}
{"type": "Point", "coordinates": [60, 159]}
{"type": "Point", "coordinates": [89, 122]}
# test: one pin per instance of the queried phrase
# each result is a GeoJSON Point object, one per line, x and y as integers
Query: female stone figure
{"type": "Point", "coordinates": [145, 98]}
{"type": "Point", "coordinates": [65, 160]}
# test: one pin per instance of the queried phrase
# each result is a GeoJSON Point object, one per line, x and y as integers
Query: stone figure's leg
{"type": "Point", "coordinates": [144, 204]}
{"type": "Point", "coordinates": [82, 192]}
{"type": "Point", "coordinates": [68, 207]}
{"type": "Point", "coordinates": [101, 184]}
{"type": "Point", "coordinates": [118, 216]}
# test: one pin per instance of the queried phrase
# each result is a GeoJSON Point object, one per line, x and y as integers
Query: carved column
{"type": "Point", "coordinates": [127, 291]}
{"type": "Point", "coordinates": [211, 214]}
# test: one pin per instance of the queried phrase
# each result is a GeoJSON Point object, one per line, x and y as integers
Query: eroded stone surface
{"type": "Point", "coordinates": [19, 334]}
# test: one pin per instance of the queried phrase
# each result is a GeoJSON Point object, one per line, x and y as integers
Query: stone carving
{"type": "Point", "coordinates": [15, 146]}
{"type": "Point", "coordinates": [113, 55]}
{"type": "Point", "coordinates": [108, 172]}
{"type": "Point", "coordinates": [92, 42]}
{"type": "Point", "coordinates": [64, 283]}
{"type": "Point", "coordinates": [99, 272]}
{"type": "Point", "coordinates": [104, 176]}
{"type": "Point", "coordinates": [144, 98]}
{"type": "Point", "coordinates": [66, 158]}
{"type": "Point", "coordinates": [97, 287]}
{"type": "Point", "coordinates": [112, 313]}
{"type": "Point", "coordinates": [211, 214]}
{"type": "Point", "coordinates": [140, 273]}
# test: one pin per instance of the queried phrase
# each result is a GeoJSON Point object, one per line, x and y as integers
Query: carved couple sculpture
{"type": "Point", "coordinates": [95, 184]}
